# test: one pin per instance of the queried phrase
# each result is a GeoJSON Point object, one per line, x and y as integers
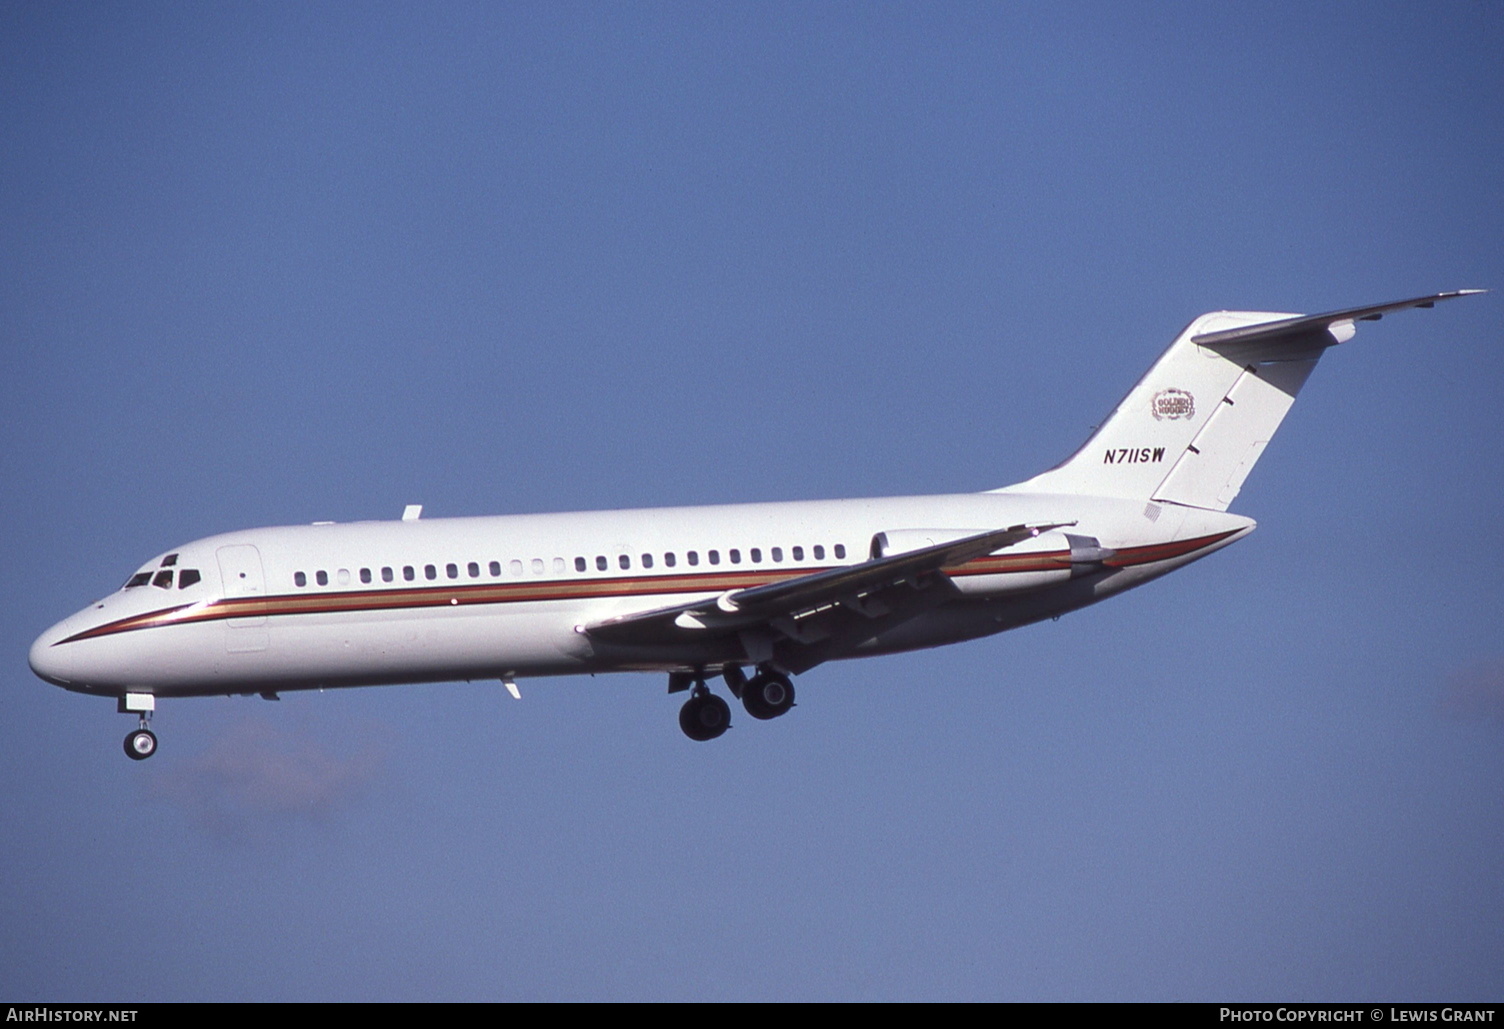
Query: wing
{"type": "Point", "coordinates": [826, 612]}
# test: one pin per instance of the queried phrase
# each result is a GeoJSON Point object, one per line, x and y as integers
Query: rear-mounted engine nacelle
{"type": "Point", "coordinates": [1045, 560]}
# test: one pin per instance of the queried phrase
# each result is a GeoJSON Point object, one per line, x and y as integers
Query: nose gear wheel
{"type": "Point", "coordinates": [140, 744]}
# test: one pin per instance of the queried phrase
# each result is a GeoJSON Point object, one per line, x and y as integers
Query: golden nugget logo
{"type": "Point", "coordinates": [1169, 404]}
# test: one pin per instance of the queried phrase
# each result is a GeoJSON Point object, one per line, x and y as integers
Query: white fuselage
{"type": "Point", "coordinates": [423, 600]}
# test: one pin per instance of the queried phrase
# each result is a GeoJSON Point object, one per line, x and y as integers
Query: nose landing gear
{"type": "Point", "coordinates": [142, 742]}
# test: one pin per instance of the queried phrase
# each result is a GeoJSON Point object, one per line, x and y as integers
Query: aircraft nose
{"type": "Point", "coordinates": [49, 662]}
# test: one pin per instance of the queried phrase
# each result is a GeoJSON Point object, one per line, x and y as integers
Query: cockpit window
{"type": "Point", "coordinates": [163, 580]}
{"type": "Point", "coordinates": [187, 577]}
{"type": "Point", "coordinates": [169, 560]}
{"type": "Point", "coordinates": [139, 579]}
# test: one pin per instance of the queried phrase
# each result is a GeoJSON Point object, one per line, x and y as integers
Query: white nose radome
{"type": "Point", "coordinates": [50, 662]}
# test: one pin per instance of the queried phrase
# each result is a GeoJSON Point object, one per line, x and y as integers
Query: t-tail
{"type": "Point", "coordinates": [1191, 430]}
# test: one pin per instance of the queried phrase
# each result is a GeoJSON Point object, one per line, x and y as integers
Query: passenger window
{"type": "Point", "coordinates": [600, 562]}
{"type": "Point", "coordinates": [408, 573]}
{"type": "Point", "coordinates": [798, 553]}
{"type": "Point", "coordinates": [693, 557]}
{"type": "Point", "coordinates": [343, 575]}
{"type": "Point", "coordinates": [819, 552]}
{"type": "Point", "coordinates": [579, 564]}
{"type": "Point", "coordinates": [647, 560]}
{"type": "Point", "coordinates": [365, 575]}
{"type": "Point", "coordinates": [496, 568]}
{"type": "Point", "coordinates": [322, 578]}
{"type": "Point", "coordinates": [298, 579]}
{"type": "Point", "coordinates": [430, 572]}
{"type": "Point", "coordinates": [187, 577]}
{"type": "Point", "coordinates": [558, 565]}
{"type": "Point", "coordinates": [514, 566]}
{"type": "Point", "coordinates": [386, 574]}
{"type": "Point", "coordinates": [142, 578]}
{"type": "Point", "coordinates": [537, 566]}
{"type": "Point", "coordinates": [736, 557]}
{"type": "Point", "coordinates": [452, 570]}
{"type": "Point", "coordinates": [625, 560]}
{"type": "Point", "coordinates": [714, 556]}
{"type": "Point", "coordinates": [756, 555]}
{"type": "Point", "coordinates": [777, 553]}
{"type": "Point", "coordinates": [169, 560]}
{"type": "Point", "coordinates": [669, 559]}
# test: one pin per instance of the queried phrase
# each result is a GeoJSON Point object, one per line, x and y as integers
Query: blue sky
{"type": "Point", "coordinates": [273, 263]}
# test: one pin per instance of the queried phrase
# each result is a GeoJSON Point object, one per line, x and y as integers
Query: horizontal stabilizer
{"type": "Point", "coordinates": [1268, 341]}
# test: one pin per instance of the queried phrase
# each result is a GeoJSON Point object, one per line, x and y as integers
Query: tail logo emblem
{"type": "Point", "coordinates": [1170, 404]}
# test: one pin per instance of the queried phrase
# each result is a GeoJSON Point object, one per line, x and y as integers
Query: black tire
{"type": "Point", "coordinates": [768, 695]}
{"type": "Point", "coordinates": [140, 744]}
{"type": "Point", "coordinates": [752, 699]}
{"type": "Point", "coordinates": [704, 717]}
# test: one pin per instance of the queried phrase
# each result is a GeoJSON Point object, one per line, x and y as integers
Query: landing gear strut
{"type": "Point", "coordinates": [704, 716]}
{"type": "Point", "coordinates": [142, 743]}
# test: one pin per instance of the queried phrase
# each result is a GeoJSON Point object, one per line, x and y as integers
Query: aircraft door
{"type": "Point", "coordinates": [242, 578]}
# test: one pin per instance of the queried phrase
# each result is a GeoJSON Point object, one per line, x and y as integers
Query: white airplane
{"type": "Point", "coordinates": [704, 592]}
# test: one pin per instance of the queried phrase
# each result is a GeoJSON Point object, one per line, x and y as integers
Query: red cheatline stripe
{"type": "Point", "coordinates": [513, 593]}
{"type": "Point", "coordinates": [1055, 560]}
{"type": "Point", "coordinates": [1164, 551]}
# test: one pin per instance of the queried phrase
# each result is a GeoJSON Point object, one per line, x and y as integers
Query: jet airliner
{"type": "Point", "coordinates": [749, 594]}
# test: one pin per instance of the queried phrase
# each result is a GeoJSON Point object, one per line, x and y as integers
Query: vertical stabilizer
{"type": "Point", "coordinates": [1191, 430]}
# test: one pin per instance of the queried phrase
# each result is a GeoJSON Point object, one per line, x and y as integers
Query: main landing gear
{"type": "Point", "coordinates": [142, 743]}
{"type": "Point", "coordinates": [704, 716]}
{"type": "Point", "coordinates": [767, 695]}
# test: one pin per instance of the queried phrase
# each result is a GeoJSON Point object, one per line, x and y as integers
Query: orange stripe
{"type": "Point", "coordinates": [1163, 551]}
{"type": "Point", "coordinates": [514, 593]}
